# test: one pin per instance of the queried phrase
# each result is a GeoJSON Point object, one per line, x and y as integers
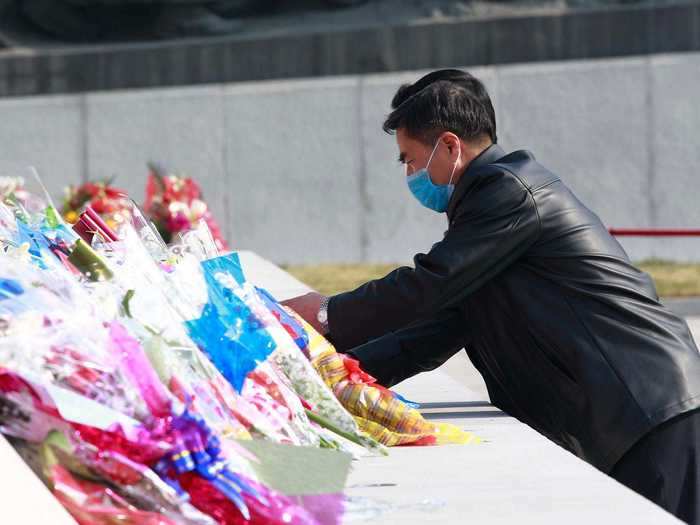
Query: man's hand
{"type": "Point", "coordinates": [307, 306]}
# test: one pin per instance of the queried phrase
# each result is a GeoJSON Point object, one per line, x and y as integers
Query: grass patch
{"type": "Point", "coordinates": [672, 279]}
{"type": "Point", "coordinates": [330, 279]}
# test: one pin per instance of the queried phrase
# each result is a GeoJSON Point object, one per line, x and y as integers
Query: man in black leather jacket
{"type": "Point", "coordinates": [569, 336]}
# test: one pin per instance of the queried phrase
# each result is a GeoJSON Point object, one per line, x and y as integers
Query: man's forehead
{"type": "Point", "coordinates": [407, 145]}
{"type": "Point", "coordinates": [404, 141]}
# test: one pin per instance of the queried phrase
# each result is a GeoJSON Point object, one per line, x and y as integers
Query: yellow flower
{"type": "Point", "coordinates": [71, 216]}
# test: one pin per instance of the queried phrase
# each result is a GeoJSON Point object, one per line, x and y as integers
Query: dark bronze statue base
{"type": "Point", "coordinates": [96, 20]}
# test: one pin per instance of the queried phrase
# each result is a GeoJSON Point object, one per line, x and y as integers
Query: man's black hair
{"type": "Point", "coordinates": [444, 100]}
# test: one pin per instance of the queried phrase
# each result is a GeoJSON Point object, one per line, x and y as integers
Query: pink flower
{"type": "Point", "coordinates": [178, 223]}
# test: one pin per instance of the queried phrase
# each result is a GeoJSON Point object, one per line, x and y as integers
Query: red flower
{"type": "Point", "coordinates": [178, 223]}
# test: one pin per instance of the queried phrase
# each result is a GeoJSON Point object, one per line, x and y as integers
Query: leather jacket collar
{"type": "Point", "coordinates": [490, 155]}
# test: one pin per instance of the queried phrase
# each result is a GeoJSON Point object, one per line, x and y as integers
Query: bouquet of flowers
{"type": "Point", "coordinates": [142, 374]}
{"type": "Point", "coordinates": [379, 412]}
{"type": "Point", "coordinates": [175, 205]}
{"type": "Point", "coordinates": [110, 202]}
{"type": "Point", "coordinates": [68, 366]}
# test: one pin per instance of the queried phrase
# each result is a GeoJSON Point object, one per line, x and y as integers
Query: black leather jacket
{"type": "Point", "coordinates": [569, 336]}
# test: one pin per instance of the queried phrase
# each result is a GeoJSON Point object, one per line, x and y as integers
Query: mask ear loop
{"type": "Point", "coordinates": [454, 168]}
{"type": "Point", "coordinates": [432, 154]}
{"type": "Point", "coordinates": [431, 158]}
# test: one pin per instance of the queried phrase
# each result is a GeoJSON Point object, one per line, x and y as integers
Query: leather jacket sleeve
{"type": "Point", "coordinates": [493, 224]}
{"type": "Point", "coordinates": [420, 347]}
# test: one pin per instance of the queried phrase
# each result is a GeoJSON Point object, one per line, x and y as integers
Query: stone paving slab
{"type": "Point", "coordinates": [24, 499]}
{"type": "Point", "coordinates": [516, 474]}
{"type": "Point", "coordinates": [685, 306]}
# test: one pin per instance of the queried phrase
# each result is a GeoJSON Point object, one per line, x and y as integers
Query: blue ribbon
{"type": "Point", "coordinates": [197, 449]}
{"type": "Point", "coordinates": [405, 401]}
{"type": "Point", "coordinates": [10, 288]}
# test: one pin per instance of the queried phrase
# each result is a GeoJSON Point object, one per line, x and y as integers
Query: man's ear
{"type": "Point", "coordinates": [452, 142]}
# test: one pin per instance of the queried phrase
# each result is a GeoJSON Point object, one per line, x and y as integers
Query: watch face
{"type": "Point", "coordinates": [322, 316]}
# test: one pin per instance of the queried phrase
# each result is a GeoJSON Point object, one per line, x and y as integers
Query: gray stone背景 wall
{"type": "Point", "coordinates": [301, 172]}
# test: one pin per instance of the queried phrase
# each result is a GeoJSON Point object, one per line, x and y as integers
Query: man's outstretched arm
{"type": "Point", "coordinates": [417, 348]}
{"type": "Point", "coordinates": [495, 223]}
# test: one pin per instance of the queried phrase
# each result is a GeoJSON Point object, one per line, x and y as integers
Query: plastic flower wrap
{"type": "Point", "coordinates": [199, 242]}
{"type": "Point", "coordinates": [158, 299]}
{"type": "Point", "coordinates": [378, 411]}
{"type": "Point", "coordinates": [16, 192]}
{"type": "Point", "coordinates": [236, 339]}
{"type": "Point", "coordinates": [41, 399]}
{"type": "Point", "coordinates": [286, 371]}
{"type": "Point", "coordinates": [92, 503]}
{"type": "Point", "coordinates": [178, 288]}
{"type": "Point", "coordinates": [301, 375]}
{"type": "Point", "coordinates": [153, 309]}
{"type": "Point", "coordinates": [58, 335]}
{"type": "Point", "coordinates": [72, 418]}
{"type": "Point", "coordinates": [53, 332]}
{"type": "Point", "coordinates": [264, 389]}
{"type": "Point", "coordinates": [10, 185]}
{"type": "Point", "coordinates": [47, 339]}
{"type": "Point", "coordinates": [175, 205]}
{"type": "Point", "coordinates": [126, 453]}
{"type": "Point", "coordinates": [150, 361]}
{"type": "Point", "coordinates": [232, 338]}
{"type": "Point", "coordinates": [108, 201]}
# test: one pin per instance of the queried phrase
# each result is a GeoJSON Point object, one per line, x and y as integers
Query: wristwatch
{"type": "Point", "coordinates": [322, 316]}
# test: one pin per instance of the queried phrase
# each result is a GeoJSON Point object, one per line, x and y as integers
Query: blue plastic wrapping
{"type": "Point", "coordinates": [228, 331]}
{"type": "Point", "coordinates": [293, 327]}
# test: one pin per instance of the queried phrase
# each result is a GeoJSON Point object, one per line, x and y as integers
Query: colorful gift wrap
{"type": "Point", "coordinates": [377, 410]}
{"type": "Point", "coordinates": [159, 387]}
{"type": "Point", "coordinates": [92, 503]}
{"type": "Point", "coordinates": [301, 374]}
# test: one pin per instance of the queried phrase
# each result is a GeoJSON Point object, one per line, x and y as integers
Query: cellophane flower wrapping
{"type": "Point", "coordinates": [134, 368]}
{"type": "Point", "coordinates": [378, 411]}
{"type": "Point", "coordinates": [290, 358]}
{"type": "Point", "coordinates": [70, 366]}
{"type": "Point", "coordinates": [234, 335]}
{"type": "Point", "coordinates": [106, 199]}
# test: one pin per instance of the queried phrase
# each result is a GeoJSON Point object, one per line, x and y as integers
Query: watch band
{"type": "Point", "coordinates": [323, 314]}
